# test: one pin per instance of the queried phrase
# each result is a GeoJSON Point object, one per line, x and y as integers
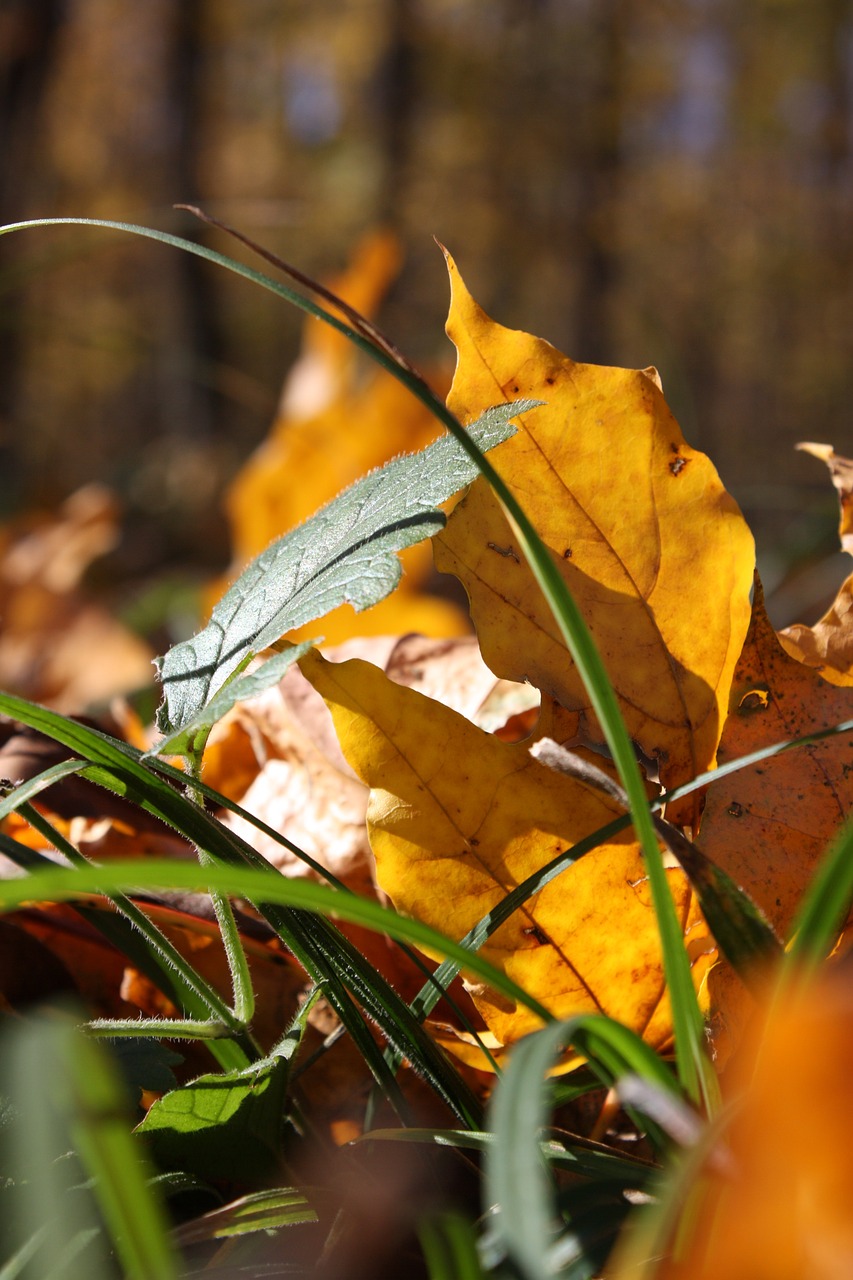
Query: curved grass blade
{"type": "Point", "coordinates": [527, 1223]}
{"type": "Point", "coordinates": [260, 1211]}
{"type": "Point", "coordinates": [70, 1095]}
{"type": "Point", "coordinates": [581, 1156]}
{"type": "Point", "coordinates": [64, 883]}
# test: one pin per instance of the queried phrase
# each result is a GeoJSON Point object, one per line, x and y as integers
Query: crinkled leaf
{"type": "Point", "coordinates": [346, 553]}
{"type": "Point", "coordinates": [828, 645]}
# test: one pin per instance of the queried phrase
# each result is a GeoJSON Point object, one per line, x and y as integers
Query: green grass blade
{"type": "Point", "coordinates": [65, 883]}
{"type": "Point", "coordinates": [449, 1244]}
{"type": "Point", "coordinates": [259, 1211]}
{"type": "Point", "coordinates": [329, 959]}
{"type": "Point", "coordinates": [517, 1180]}
{"type": "Point", "coordinates": [69, 1097]}
{"type": "Point", "coordinates": [134, 1217]}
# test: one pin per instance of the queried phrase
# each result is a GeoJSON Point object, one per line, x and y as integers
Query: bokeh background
{"type": "Point", "coordinates": [664, 182]}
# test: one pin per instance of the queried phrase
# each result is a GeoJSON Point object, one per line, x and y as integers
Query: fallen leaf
{"type": "Point", "coordinates": [654, 550]}
{"type": "Point", "coordinates": [457, 818]}
{"type": "Point", "coordinates": [768, 825]}
{"type": "Point", "coordinates": [828, 645]}
{"type": "Point", "coordinates": [291, 773]}
{"type": "Point", "coordinates": [50, 628]}
{"type": "Point", "coordinates": [841, 471]}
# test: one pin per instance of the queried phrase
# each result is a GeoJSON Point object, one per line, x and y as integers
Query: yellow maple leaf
{"type": "Point", "coordinates": [457, 818]}
{"type": "Point", "coordinates": [653, 548]}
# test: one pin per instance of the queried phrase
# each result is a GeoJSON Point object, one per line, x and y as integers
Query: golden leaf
{"type": "Point", "coordinates": [457, 818]}
{"type": "Point", "coordinates": [653, 548]}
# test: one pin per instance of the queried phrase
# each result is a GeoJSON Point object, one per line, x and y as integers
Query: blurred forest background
{"type": "Point", "coordinates": [639, 181]}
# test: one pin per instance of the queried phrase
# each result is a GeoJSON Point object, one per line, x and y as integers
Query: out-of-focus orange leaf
{"type": "Point", "coordinates": [781, 1211]}
{"type": "Point", "coordinates": [49, 632]}
{"type": "Point", "coordinates": [651, 545]}
{"type": "Point", "coordinates": [458, 817]}
{"type": "Point", "coordinates": [828, 645]}
{"type": "Point", "coordinates": [337, 421]}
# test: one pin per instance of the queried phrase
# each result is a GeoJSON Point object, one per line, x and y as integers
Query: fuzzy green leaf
{"type": "Point", "coordinates": [346, 553]}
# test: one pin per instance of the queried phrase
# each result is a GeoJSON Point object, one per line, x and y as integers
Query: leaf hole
{"type": "Point", "coordinates": [755, 700]}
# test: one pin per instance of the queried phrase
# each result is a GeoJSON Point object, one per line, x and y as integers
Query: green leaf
{"type": "Point", "coordinates": [228, 1125]}
{"type": "Point", "coordinates": [221, 1126]}
{"type": "Point", "coordinates": [346, 553]}
{"type": "Point", "coordinates": [191, 737]}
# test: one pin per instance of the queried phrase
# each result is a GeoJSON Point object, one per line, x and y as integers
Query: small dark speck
{"type": "Point", "coordinates": [735, 809]}
{"type": "Point", "coordinates": [567, 554]}
{"type": "Point", "coordinates": [550, 382]}
{"type": "Point", "coordinates": [677, 465]}
{"type": "Point", "coordinates": [515, 391]}
{"type": "Point", "coordinates": [778, 902]}
{"type": "Point", "coordinates": [533, 931]}
{"type": "Point", "coordinates": [474, 841]}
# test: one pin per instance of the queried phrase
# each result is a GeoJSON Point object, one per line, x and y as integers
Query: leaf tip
{"type": "Point", "coordinates": [823, 451]}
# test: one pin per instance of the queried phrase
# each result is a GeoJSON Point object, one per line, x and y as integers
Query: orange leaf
{"type": "Point", "coordinates": [654, 550]}
{"type": "Point", "coordinates": [457, 818]}
{"type": "Point", "coordinates": [768, 825]}
{"type": "Point", "coordinates": [782, 1209]}
{"type": "Point", "coordinates": [50, 629]}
